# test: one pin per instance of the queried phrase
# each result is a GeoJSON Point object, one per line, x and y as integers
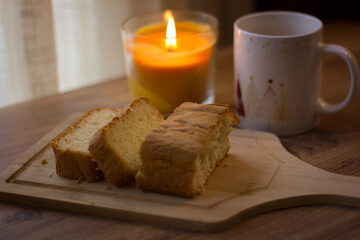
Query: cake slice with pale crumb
{"type": "Point", "coordinates": [73, 159]}
{"type": "Point", "coordinates": [116, 147]}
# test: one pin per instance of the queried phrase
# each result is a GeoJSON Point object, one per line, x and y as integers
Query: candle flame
{"type": "Point", "coordinates": [170, 41]}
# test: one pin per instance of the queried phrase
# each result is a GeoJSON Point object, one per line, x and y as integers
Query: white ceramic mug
{"type": "Point", "coordinates": [277, 63]}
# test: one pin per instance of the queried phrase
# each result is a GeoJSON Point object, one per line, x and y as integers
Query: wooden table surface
{"type": "Point", "coordinates": [334, 145]}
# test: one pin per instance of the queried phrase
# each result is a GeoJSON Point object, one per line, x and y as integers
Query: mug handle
{"type": "Point", "coordinates": [324, 107]}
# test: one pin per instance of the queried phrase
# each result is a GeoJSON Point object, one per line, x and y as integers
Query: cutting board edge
{"type": "Point", "coordinates": [202, 225]}
{"type": "Point", "coordinates": [199, 224]}
{"type": "Point", "coordinates": [190, 223]}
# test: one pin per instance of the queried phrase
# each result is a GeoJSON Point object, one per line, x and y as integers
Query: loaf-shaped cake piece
{"type": "Point", "coordinates": [179, 156]}
{"type": "Point", "coordinates": [73, 159]}
{"type": "Point", "coordinates": [116, 147]}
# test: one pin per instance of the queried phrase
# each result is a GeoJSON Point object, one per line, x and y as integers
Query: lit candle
{"type": "Point", "coordinates": [170, 41]}
{"type": "Point", "coordinates": [170, 62]}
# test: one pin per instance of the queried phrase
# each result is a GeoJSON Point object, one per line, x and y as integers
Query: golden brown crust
{"type": "Point", "coordinates": [72, 164]}
{"type": "Point", "coordinates": [171, 153]}
{"type": "Point", "coordinates": [176, 147]}
{"type": "Point", "coordinates": [127, 109]}
{"type": "Point", "coordinates": [76, 165]}
{"type": "Point", "coordinates": [217, 108]}
{"type": "Point", "coordinates": [167, 182]}
{"type": "Point", "coordinates": [109, 162]}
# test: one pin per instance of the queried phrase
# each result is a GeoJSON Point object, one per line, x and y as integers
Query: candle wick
{"type": "Point", "coordinates": [170, 49]}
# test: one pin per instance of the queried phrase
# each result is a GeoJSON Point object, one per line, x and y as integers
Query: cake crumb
{"type": "Point", "coordinates": [91, 203]}
{"type": "Point", "coordinates": [44, 161]}
{"type": "Point", "coordinates": [51, 174]}
{"type": "Point", "coordinates": [107, 187]}
{"type": "Point", "coordinates": [226, 165]}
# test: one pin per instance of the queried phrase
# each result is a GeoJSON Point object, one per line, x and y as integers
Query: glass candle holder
{"type": "Point", "coordinates": [171, 68]}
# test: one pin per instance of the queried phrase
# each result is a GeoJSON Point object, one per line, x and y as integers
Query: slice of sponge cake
{"type": "Point", "coordinates": [116, 147]}
{"type": "Point", "coordinates": [73, 160]}
{"type": "Point", "coordinates": [179, 156]}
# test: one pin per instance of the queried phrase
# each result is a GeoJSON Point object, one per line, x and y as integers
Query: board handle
{"type": "Point", "coordinates": [339, 189]}
{"type": "Point", "coordinates": [312, 184]}
{"type": "Point", "coordinates": [295, 191]}
{"type": "Point", "coordinates": [317, 186]}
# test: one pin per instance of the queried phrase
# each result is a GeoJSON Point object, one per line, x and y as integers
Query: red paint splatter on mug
{"type": "Point", "coordinates": [239, 103]}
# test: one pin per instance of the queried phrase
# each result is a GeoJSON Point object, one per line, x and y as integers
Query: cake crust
{"type": "Point", "coordinates": [74, 164]}
{"type": "Point", "coordinates": [110, 161]}
{"type": "Point", "coordinates": [178, 157]}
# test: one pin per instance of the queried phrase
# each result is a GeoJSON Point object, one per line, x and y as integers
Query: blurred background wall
{"type": "Point", "coordinates": [53, 46]}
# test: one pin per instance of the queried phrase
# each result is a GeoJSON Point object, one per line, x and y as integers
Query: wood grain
{"type": "Point", "coordinates": [333, 146]}
{"type": "Point", "coordinates": [257, 176]}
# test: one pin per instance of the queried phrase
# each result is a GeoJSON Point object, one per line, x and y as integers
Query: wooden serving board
{"type": "Point", "coordinates": [257, 176]}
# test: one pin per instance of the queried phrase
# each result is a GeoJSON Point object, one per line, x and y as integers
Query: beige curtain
{"type": "Point", "coordinates": [27, 51]}
{"type": "Point", "coordinates": [53, 46]}
{"type": "Point", "coordinates": [89, 45]}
